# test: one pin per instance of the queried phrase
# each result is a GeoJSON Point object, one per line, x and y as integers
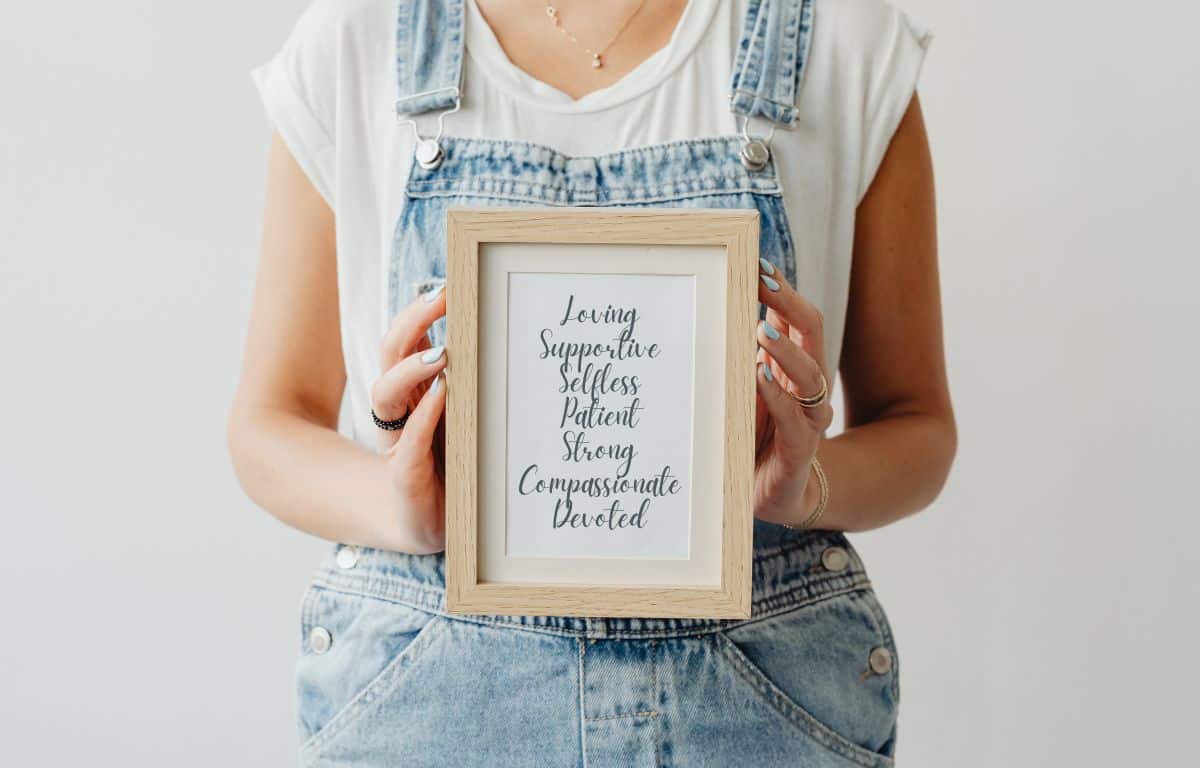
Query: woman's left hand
{"type": "Point", "coordinates": [790, 364]}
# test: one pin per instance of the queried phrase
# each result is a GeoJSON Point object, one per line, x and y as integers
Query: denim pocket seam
{"type": "Point", "coordinates": [307, 603]}
{"type": "Point", "coordinates": [771, 608]}
{"type": "Point", "coordinates": [793, 711]}
{"type": "Point", "coordinates": [426, 599]}
{"type": "Point", "coordinates": [378, 689]}
{"type": "Point", "coordinates": [884, 627]}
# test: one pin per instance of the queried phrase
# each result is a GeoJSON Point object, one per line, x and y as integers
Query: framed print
{"type": "Point", "coordinates": [599, 415]}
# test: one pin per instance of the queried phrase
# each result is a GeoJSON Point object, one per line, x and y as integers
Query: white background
{"type": "Point", "coordinates": [1045, 606]}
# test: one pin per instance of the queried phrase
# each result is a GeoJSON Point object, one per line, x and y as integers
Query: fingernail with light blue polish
{"type": "Point", "coordinates": [433, 354]}
{"type": "Point", "coordinates": [767, 266]}
{"type": "Point", "coordinates": [766, 369]}
{"type": "Point", "coordinates": [769, 329]}
{"type": "Point", "coordinates": [770, 283]}
{"type": "Point", "coordinates": [430, 296]}
{"type": "Point", "coordinates": [437, 382]}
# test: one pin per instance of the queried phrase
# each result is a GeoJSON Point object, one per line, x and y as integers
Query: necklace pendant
{"type": "Point", "coordinates": [597, 62]}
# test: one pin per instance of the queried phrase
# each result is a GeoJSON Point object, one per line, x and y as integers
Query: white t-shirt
{"type": "Point", "coordinates": [330, 93]}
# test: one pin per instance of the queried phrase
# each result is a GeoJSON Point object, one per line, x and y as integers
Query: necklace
{"type": "Point", "coordinates": [597, 54]}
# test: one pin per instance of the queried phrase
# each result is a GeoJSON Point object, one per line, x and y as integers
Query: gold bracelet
{"type": "Point", "coordinates": [822, 500]}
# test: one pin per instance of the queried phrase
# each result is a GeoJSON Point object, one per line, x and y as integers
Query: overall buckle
{"type": "Point", "coordinates": [428, 151]}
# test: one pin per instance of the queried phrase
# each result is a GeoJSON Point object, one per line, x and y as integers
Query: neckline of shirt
{"type": "Point", "coordinates": [490, 59]}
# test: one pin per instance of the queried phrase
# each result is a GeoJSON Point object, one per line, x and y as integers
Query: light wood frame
{"type": "Point", "coordinates": [737, 231]}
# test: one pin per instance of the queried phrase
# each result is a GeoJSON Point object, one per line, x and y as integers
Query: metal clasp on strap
{"type": "Point", "coordinates": [428, 151]}
{"type": "Point", "coordinates": [756, 152]}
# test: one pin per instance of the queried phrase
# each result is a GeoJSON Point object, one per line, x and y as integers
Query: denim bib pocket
{"type": "Point", "coordinates": [829, 669]}
{"type": "Point", "coordinates": [356, 652]}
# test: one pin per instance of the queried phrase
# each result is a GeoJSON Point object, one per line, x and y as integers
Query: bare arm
{"type": "Point", "coordinates": [282, 429]}
{"type": "Point", "coordinates": [894, 456]}
{"type": "Point", "coordinates": [900, 439]}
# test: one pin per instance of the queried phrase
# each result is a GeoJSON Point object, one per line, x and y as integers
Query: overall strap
{"type": "Point", "coordinates": [770, 60]}
{"type": "Point", "coordinates": [429, 53]}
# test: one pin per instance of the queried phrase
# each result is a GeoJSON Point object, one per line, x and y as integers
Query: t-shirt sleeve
{"type": "Point", "coordinates": [893, 47]}
{"type": "Point", "coordinates": [298, 88]}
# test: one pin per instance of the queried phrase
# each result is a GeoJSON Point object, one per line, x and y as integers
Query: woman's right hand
{"type": "Point", "coordinates": [410, 383]}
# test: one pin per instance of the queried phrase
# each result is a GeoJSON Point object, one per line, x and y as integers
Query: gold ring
{"type": "Point", "coordinates": [814, 400]}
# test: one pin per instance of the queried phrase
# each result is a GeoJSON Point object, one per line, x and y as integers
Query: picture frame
{"type": "Point", "coordinates": [571, 337]}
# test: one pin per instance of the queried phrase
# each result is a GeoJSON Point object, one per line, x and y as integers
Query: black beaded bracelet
{"type": "Point", "coordinates": [390, 426]}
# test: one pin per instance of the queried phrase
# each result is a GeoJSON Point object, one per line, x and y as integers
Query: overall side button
{"type": "Point", "coordinates": [835, 559]}
{"type": "Point", "coordinates": [755, 155]}
{"type": "Point", "coordinates": [347, 556]}
{"type": "Point", "coordinates": [429, 154]}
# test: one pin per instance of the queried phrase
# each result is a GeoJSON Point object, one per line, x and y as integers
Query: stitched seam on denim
{"type": "Point", "coordinates": [745, 42]}
{"type": "Point", "coordinates": [816, 539]}
{"type": "Point", "coordinates": [786, 609]}
{"type": "Point", "coordinates": [656, 701]}
{"type": "Point", "coordinates": [559, 201]}
{"type": "Point", "coordinates": [307, 621]}
{"type": "Point", "coordinates": [752, 95]}
{"type": "Point", "coordinates": [693, 187]}
{"type": "Point", "coordinates": [391, 597]}
{"type": "Point", "coordinates": [501, 623]}
{"type": "Point", "coordinates": [764, 558]}
{"type": "Point", "coordinates": [469, 189]}
{"type": "Point", "coordinates": [792, 711]}
{"type": "Point", "coordinates": [582, 703]}
{"type": "Point", "coordinates": [431, 92]}
{"type": "Point", "coordinates": [458, 33]}
{"type": "Point", "coordinates": [767, 607]}
{"type": "Point", "coordinates": [880, 624]}
{"type": "Point", "coordinates": [695, 183]}
{"type": "Point", "coordinates": [885, 631]}
{"type": "Point", "coordinates": [306, 613]}
{"type": "Point", "coordinates": [421, 597]}
{"type": "Point", "coordinates": [375, 583]}
{"type": "Point", "coordinates": [783, 231]}
{"type": "Point", "coordinates": [475, 145]}
{"type": "Point", "coordinates": [447, 58]}
{"type": "Point", "coordinates": [696, 630]}
{"type": "Point", "coordinates": [753, 50]}
{"type": "Point", "coordinates": [808, 16]}
{"type": "Point", "coordinates": [647, 713]}
{"type": "Point", "coordinates": [586, 203]}
{"type": "Point", "coordinates": [412, 106]}
{"type": "Point", "coordinates": [783, 73]}
{"type": "Point", "coordinates": [777, 113]}
{"type": "Point", "coordinates": [376, 690]}
{"type": "Point", "coordinates": [766, 70]}
{"type": "Point", "coordinates": [777, 604]}
{"type": "Point", "coordinates": [427, 598]}
{"type": "Point", "coordinates": [404, 27]}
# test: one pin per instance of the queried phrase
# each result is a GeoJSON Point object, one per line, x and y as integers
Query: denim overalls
{"type": "Point", "coordinates": [386, 677]}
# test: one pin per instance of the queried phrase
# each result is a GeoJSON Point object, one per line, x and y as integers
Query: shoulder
{"type": "Point", "coordinates": [859, 45]}
{"type": "Point", "coordinates": [865, 59]}
{"type": "Point", "coordinates": [336, 45]}
{"type": "Point", "coordinates": [332, 62]}
{"type": "Point", "coordinates": [862, 30]}
{"type": "Point", "coordinates": [344, 15]}
{"type": "Point", "coordinates": [332, 26]}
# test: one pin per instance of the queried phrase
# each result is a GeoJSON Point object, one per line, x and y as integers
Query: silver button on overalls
{"type": "Point", "coordinates": [755, 154]}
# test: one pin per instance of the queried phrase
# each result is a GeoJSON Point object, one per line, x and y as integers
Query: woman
{"type": "Point", "coordinates": [387, 113]}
